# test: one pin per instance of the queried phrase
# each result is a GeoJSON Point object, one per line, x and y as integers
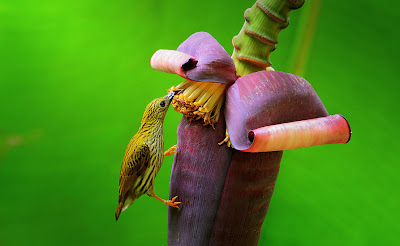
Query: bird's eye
{"type": "Point", "coordinates": [162, 104]}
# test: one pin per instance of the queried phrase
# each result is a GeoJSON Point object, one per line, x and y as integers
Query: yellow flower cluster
{"type": "Point", "coordinates": [200, 100]}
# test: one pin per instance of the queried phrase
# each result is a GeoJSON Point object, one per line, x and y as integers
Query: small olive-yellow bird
{"type": "Point", "coordinates": [144, 156]}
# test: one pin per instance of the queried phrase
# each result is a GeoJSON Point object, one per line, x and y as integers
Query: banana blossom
{"type": "Point", "coordinates": [225, 192]}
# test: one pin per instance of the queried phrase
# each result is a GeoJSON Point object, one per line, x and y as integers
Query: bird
{"type": "Point", "coordinates": [144, 156]}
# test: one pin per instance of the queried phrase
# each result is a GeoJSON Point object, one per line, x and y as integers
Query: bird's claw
{"type": "Point", "coordinates": [171, 150]}
{"type": "Point", "coordinates": [172, 203]}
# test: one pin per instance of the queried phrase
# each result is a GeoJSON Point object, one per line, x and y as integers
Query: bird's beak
{"type": "Point", "coordinates": [172, 94]}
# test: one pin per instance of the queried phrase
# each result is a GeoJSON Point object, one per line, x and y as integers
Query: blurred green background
{"type": "Point", "coordinates": [75, 79]}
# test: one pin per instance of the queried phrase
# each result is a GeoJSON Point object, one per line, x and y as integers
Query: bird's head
{"type": "Point", "coordinates": [157, 108]}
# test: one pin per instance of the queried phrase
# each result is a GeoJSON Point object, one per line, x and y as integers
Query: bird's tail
{"type": "Point", "coordinates": [119, 210]}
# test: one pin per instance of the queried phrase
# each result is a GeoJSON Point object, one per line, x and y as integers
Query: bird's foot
{"type": "Point", "coordinates": [172, 203]}
{"type": "Point", "coordinates": [171, 150]}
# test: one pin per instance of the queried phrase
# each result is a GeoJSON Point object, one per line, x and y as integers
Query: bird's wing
{"type": "Point", "coordinates": [135, 162]}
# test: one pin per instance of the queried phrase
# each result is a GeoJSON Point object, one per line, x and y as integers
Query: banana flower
{"type": "Point", "coordinates": [225, 192]}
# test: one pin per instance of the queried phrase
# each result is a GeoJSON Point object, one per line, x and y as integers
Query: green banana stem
{"type": "Point", "coordinates": [259, 34]}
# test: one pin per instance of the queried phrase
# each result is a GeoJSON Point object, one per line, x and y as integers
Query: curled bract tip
{"type": "Point", "coordinates": [331, 129]}
{"type": "Point", "coordinates": [199, 58]}
{"type": "Point", "coordinates": [172, 61]}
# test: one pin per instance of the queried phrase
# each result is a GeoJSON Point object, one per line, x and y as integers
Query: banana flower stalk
{"type": "Point", "coordinates": [225, 192]}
